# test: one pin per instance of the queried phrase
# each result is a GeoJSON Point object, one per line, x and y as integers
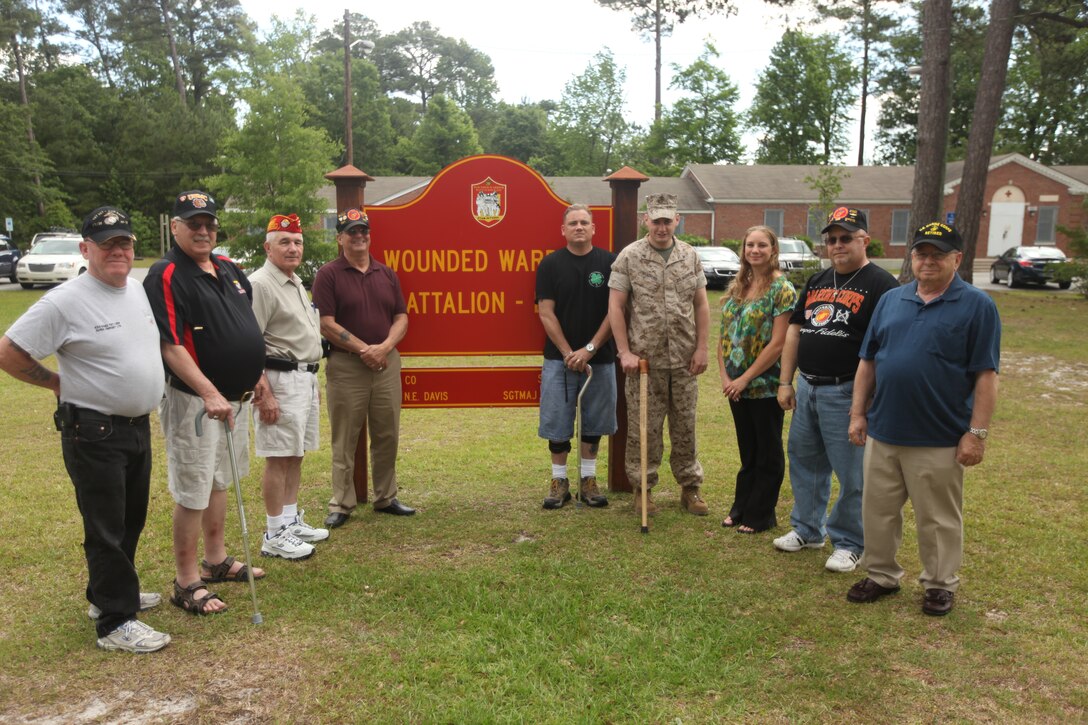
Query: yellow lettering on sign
{"type": "Point", "coordinates": [456, 303]}
{"type": "Point", "coordinates": [440, 396]}
{"type": "Point", "coordinates": [520, 394]}
{"type": "Point", "coordinates": [520, 260]}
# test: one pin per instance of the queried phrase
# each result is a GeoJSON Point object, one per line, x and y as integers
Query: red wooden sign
{"type": "Point", "coordinates": [466, 252]}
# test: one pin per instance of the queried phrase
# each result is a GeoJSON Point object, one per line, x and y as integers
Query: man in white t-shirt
{"type": "Point", "coordinates": [110, 377]}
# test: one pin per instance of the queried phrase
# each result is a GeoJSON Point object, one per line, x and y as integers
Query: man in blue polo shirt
{"type": "Point", "coordinates": [924, 393]}
{"type": "Point", "coordinates": [214, 353]}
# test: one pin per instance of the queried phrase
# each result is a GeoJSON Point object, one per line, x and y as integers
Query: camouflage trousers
{"type": "Point", "coordinates": [672, 394]}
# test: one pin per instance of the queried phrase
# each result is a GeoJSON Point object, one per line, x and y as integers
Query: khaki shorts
{"type": "Point", "coordinates": [296, 431]}
{"type": "Point", "coordinates": [197, 464]}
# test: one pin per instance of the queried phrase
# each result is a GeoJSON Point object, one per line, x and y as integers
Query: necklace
{"type": "Point", "coordinates": [835, 281]}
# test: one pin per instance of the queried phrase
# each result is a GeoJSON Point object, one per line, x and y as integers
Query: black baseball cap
{"type": "Point", "coordinates": [940, 235]}
{"type": "Point", "coordinates": [852, 220]}
{"type": "Point", "coordinates": [354, 217]}
{"type": "Point", "coordinates": [106, 222]}
{"type": "Point", "coordinates": [190, 203]}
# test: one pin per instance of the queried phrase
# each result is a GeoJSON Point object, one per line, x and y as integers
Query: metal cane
{"type": "Point", "coordinates": [643, 375]}
{"type": "Point", "coordinates": [578, 433]}
{"type": "Point", "coordinates": [256, 618]}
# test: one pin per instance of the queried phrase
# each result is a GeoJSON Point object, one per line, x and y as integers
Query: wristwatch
{"type": "Point", "coordinates": [590, 347]}
{"type": "Point", "coordinates": [980, 433]}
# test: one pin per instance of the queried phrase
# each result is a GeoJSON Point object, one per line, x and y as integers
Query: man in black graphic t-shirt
{"type": "Point", "coordinates": [822, 345]}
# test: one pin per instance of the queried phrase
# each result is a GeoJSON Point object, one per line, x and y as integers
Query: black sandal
{"type": "Point", "coordinates": [184, 598]}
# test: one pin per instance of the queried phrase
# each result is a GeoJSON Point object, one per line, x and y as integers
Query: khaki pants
{"type": "Point", "coordinates": [672, 394]}
{"type": "Point", "coordinates": [933, 481]}
{"type": "Point", "coordinates": [357, 395]}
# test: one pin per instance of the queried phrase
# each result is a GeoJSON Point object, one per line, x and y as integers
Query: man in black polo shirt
{"type": "Point", "coordinates": [214, 355]}
{"type": "Point", "coordinates": [825, 334]}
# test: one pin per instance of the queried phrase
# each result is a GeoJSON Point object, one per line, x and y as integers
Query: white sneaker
{"type": "Point", "coordinates": [134, 636]}
{"type": "Point", "coordinates": [286, 546]}
{"type": "Point", "coordinates": [842, 560]}
{"type": "Point", "coordinates": [147, 601]}
{"type": "Point", "coordinates": [304, 532]}
{"type": "Point", "coordinates": [793, 542]}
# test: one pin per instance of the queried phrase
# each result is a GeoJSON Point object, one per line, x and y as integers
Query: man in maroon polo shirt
{"type": "Point", "coordinates": [364, 316]}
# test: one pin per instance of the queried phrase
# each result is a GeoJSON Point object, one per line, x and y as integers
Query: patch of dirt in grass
{"type": "Point", "coordinates": [1065, 381]}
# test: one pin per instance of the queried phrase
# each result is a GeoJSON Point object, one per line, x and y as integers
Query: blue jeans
{"type": "Point", "coordinates": [559, 393]}
{"type": "Point", "coordinates": [818, 445]}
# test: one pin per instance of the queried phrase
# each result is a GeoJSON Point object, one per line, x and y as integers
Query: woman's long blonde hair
{"type": "Point", "coordinates": [746, 281]}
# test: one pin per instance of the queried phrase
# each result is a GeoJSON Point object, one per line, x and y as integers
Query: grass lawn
{"type": "Point", "coordinates": [485, 608]}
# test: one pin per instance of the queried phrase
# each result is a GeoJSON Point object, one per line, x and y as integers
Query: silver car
{"type": "Point", "coordinates": [720, 265]}
{"type": "Point", "coordinates": [52, 260]}
{"type": "Point", "coordinates": [795, 254]}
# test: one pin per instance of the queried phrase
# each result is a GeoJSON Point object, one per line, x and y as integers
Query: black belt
{"type": "Point", "coordinates": [275, 363]}
{"type": "Point", "coordinates": [177, 384]}
{"type": "Point", "coordinates": [827, 379]}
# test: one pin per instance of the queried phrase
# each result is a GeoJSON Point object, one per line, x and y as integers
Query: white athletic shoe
{"type": "Point", "coordinates": [304, 532]}
{"type": "Point", "coordinates": [793, 542]}
{"type": "Point", "coordinates": [147, 601]}
{"type": "Point", "coordinates": [286, 546]}
{"type": "Point", "coordinates": [134, 636]}
{"type": "Point", "coordinates": [842, 560]}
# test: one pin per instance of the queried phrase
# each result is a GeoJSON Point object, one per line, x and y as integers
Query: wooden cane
{"type": "Point", "coordinates": [643, 376]}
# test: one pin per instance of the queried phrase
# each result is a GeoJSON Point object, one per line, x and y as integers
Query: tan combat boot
{"type": "Point", "coordinates": [692, 502]}
{"type": "Point", "coordinates": [651, 508]}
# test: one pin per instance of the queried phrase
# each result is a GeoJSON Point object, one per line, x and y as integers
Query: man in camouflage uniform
{"type": "Point", "coordinates": [659, 312]}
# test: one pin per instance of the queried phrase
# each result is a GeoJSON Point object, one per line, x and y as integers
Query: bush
{"type": "Point", "coordinates": [1073, 273]}
{"type": "Point", "coordinates": [733, 244]}
{"type": "Point", "coordinates": [876, 248]}
{"type": "Point", "coordinates": [694, 240]}
{"type": "Point", "coordinates": [800, 275]}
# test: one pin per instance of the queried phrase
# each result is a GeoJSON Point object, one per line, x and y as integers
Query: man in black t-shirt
{"type": "Point", "coordinates": [214, 353]}
{"type": "Point", "coordinates": [572, 297]}
{"type": "Point", "coordinates": [824, 338]}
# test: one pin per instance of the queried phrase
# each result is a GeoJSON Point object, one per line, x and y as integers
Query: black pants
{"type": "Point", "coordinates": [762, 463]}
{"type": "Point", "coordinates": [110, 466]}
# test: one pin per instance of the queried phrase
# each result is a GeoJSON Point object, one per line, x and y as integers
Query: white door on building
{"type": "Point", "coordinates": [1006, 220]}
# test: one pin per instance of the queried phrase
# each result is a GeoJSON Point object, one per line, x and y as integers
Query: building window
{"type": "Point", "coordinates": [900, 226]}
{"type": "Point", "coordinates": [816, 220]}
{"type": "Point", "coordinates": [1046, 230]}
{"type": "Point", "coordinates": [774, 218]}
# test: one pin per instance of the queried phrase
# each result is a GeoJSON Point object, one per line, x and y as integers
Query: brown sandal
{"type": "Point", "coordinates": [184, 598]}
{"type": "Point", "coordinates": [221, 572]}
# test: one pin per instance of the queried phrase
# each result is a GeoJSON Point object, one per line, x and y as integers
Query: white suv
{"type": "Point", "coordinates": [54, 259]}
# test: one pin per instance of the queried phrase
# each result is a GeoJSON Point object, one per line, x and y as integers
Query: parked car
{"type": "Point", "coordinates": [52, 260]}
{"type": "Point", "coordinates": [794, 254]}
{"type": "Point", "coordinates": [9, 257]}
{"type": "Point", "coordinates": [54, 232]}
{"type": "Point", "coordinates": [720, 265]}
{"type": "Point", "coordinates": [1027, 265]}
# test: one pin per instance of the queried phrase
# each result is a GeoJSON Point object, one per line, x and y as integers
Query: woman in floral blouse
{"type": "Point", "coordinates": [755, 316]}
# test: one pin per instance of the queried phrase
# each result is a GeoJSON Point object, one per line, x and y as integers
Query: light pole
{"type": "Point", "coordinates": [348, 45]}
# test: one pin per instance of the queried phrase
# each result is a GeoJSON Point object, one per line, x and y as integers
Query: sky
{"type": "Point", "coordinates": [537, 47]}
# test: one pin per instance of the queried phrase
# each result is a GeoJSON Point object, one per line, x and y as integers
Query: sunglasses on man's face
{"type": "Point", "coordinates": [124, 243]}
{"type": "Point", "coordinates": [195, 226]}
{"type": "Point", "coordinates": [844, 239]}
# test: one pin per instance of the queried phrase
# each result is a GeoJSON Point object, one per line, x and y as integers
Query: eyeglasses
{"type": "Point", "coordinates": [195, 226]}
{"type": "Point", "coordinates": [935, 256]}
{"type": "Point", "coordinates": [357, 231]}
{"type": "Point", "coordinates": [844, 239]}
{"type": "Point", "coordinates": [109, 245]}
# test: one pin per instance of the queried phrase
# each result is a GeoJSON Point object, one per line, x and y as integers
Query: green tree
{"type": "Point", "coordinates": [827, 183]}
{"type": "Point", "coordinates": [520, 132]}
{"type": "Point", "coordinates": [656, 19]}
{"type": "Point", "coordinates": [802, 101]}
{"type": "Point", "coordinates": [273, 164]}
{"type": "Point", "coordinates": [445, 135]}
{"type": "Point", "coordinates": [897, 123]}
{"type": "Point", "coordinates": [701, 127]}
{"type": "Point", "coordinates": [589, 126]}
{"type": "Point", "coordinates": [867, 23]}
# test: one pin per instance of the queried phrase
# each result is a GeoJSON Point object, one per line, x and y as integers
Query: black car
{"type": "Point", "coordinates": [1027, 265]}
{"type": "Point", "coordinates": [9, 257]}
{"type": "Point", "coordinates": [720, 265]}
